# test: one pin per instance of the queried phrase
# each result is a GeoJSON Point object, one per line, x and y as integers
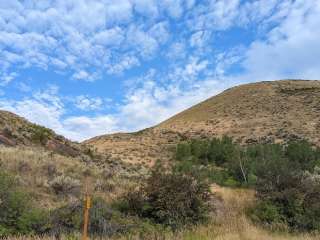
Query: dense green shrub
{"type": "Point", "coordinates": [183, 152]}
{"type": "Point", "coordinates": [170, 198]}
{"type": "Point", "coordinates": [287, 187]}
{"type": "Point", "coordinates": [242, 163]}
{"type": "Point", "coordinates": [221, 159]}
{"type": "Point", "coordinates": [40, 134]}
{"type": "Point", "coordinates": [302, 155]}
{"type": "Point", "coordinates": [17, 215]}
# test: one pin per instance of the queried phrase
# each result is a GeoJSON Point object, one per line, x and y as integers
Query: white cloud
{"type": "Point", "coordinates": [6, 78]}
{"type": "Point", "coordinates": [292, 49]}
{"type": "Point", "coordinates": [177, 51]}
{"type": "Point", "coordinates": [23, 87]}
{"type": "Point", "coordinates": [160, 32]}
{"type": "Point", "coordinates": [81, 75]}
{"type": "Point", "coordinates": [81, 128]}
{"type": "Point", "coordinates": [189, 72]}
{"type": "Point", "coordinates": [121, 64]}
{"type": "Point", "coordinates": [110, 37]}
{"type": "Point", "coordinates": [200, 39]}
{"type": "Point", "coordinates": [147, 7]}
{"type": "Point", "coordinates": [88, 103]}
{"type": "Point", "coordinates": [141, 40]}
{"type": "Point", "coordinates": [214, 15]}
{"type": "Point", "coordinates": [118, 11]}
{"type": "Point", "coordinates": [73, 35]}
{"type": "Point", "coordinates": [173, 7]}
{"type": "Point", "coordinates": [152, 103]}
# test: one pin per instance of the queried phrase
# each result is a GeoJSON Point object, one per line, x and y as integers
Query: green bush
{"type": "Point", "coordinates": [170, 198]}
{"type": "Point", "coordinates": [295, 194]}
{"type": "Point", "coordinates": [17, 215]}
{"type": "Point", "coordinates": [215, 152]}
{"type": "Point", "coordinates": [183, 152]}
{"type": "Point", "coordinates": [40, 134]}
{"type": "Point", "coordinates": [302, 155]}
{"type": "Point", "coordinates": [267, 212]}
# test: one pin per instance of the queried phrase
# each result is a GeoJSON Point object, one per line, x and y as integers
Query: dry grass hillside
{"type": "Point", "coordinates": [276, 111]}
{"type": "Point", "coordinates": [52, 167]}
{"type": "Point", "coordinates": [54, 179]}
{"type": "Point", "coordinates": [17, 131]}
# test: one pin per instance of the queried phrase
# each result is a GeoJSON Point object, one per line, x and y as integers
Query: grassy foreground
{"type": "Point", "coordinates": [231, 223]}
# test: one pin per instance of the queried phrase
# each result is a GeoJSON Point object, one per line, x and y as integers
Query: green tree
{"type": "Point", "coordinates": [302, 155]}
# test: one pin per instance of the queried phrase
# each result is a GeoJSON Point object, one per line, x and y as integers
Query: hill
{"type": "Point", "coordinates": [275, 111]}
{"type": "Point", "coordinates": [52, 168]}
{"type": "Point", "coordinates": [17, 131]}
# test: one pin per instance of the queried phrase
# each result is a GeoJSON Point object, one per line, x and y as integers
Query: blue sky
{"type": "Point", "coordinates": [90, 67]}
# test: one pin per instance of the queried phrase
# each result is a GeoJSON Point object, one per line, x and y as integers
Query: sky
{"type": "Point", "coordinates": [89, 67]}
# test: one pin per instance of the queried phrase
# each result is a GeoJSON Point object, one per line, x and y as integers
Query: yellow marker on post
{"type": "Point", "coordinates": [87, 205]}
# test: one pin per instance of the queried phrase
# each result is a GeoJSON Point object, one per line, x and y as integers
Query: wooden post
{"type": "Point", "coordinates": [87, 205]}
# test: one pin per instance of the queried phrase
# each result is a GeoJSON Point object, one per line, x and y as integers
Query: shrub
{"type": "Point", "coordinates": [183, 151]}
{"type": "Point", "coordinates": [103, 220]}
{"type": "Point", "coordinates": [40, 134]}
{"type": "Point", "coordinates": [292, 197]}
{"type": "Point", "coordinates": [17, 215]}
{"type": "Point", "coordinates": [67, 218]}
{"type": "Point", "coordinates": [170, 198]}
{"type": "Point", "coordinates": [302, 155]}
{"type": "Point", "coordinates": [65, 185]}
{"type": "Point", "coordinates": [267, 213]}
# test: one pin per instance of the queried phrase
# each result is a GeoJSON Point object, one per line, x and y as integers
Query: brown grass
{"type": "Point", "coordinates": [30, 166]}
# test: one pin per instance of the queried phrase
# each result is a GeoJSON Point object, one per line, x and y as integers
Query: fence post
{"type": "Point", "coordinates": [87, 205]}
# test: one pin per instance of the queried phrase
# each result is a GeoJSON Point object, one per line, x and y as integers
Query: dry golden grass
{"type": "Point", "coordinates": [31, 167]}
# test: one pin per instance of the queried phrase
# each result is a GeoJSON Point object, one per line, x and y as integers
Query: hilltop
{"type": "Point", "coordinates": [275, 111]}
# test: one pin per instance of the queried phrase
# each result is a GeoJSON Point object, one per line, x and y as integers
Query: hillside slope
{"type": "Point", "coordinates": [276, 111]}
{"type": "Point", "coordinates": [266, 111]}
{"type": "Point", "coordinates": [17, 131]}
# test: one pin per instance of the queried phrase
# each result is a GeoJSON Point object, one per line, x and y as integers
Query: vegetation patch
{"type": "Point", "coordinates": [18, 214]}
{"type": "Point", "coordinates": [170, 198]}
{"type": "Point", "coordinates": [286, 178]}
{"type": "Point", "coordinates": [40, 134]}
